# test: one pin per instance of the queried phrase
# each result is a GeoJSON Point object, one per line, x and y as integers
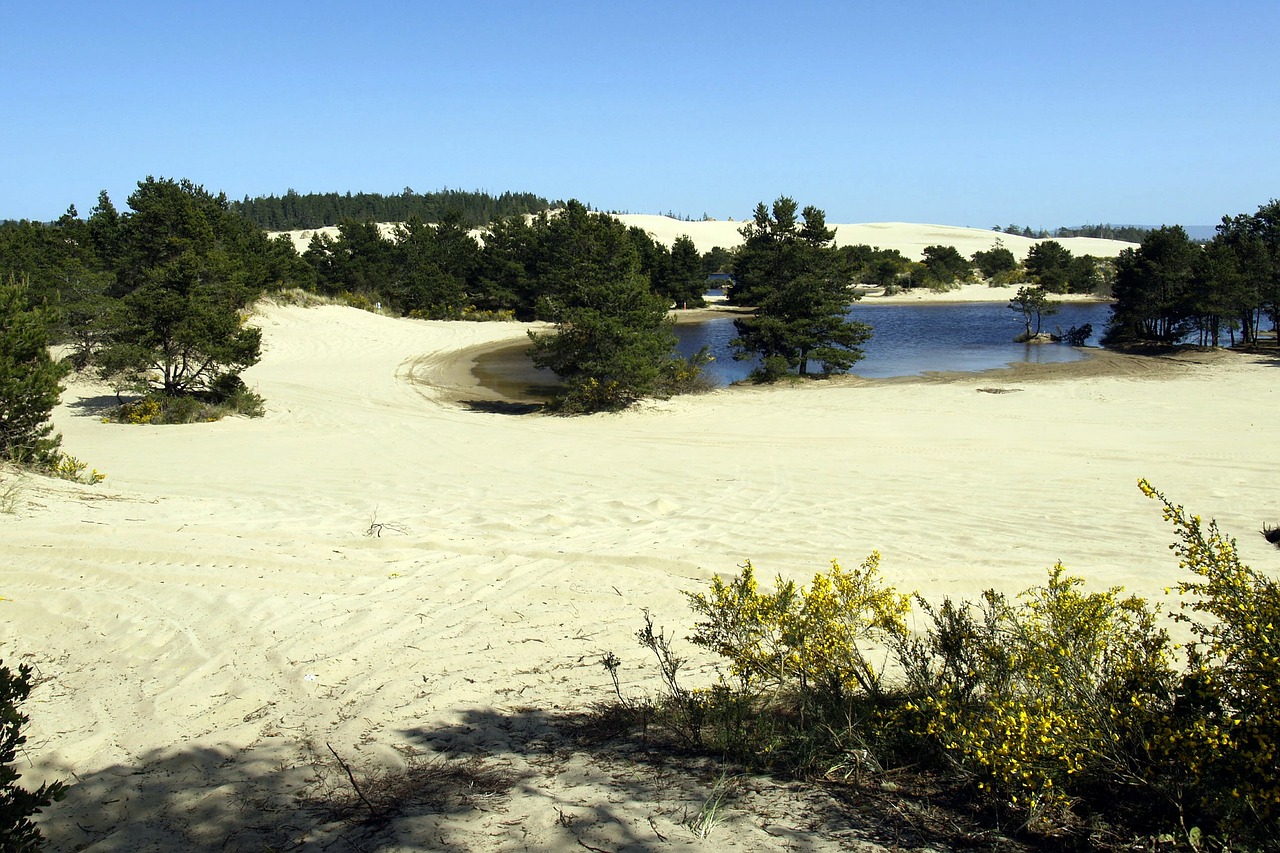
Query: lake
{"type": "Point", "coordinates": [907, 340]}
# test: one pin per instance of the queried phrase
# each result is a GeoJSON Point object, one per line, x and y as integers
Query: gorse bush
{"type": "Point", "coordinates": [797, 639]}
{"type": "Point", "coordinates": [1042, 697]}
{"type": "Point", "coordinates": [1216, 757]}
{"type": "Point", "coordinates": [1055, 710]}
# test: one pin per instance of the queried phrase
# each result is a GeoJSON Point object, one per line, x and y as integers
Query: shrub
{"type": "Point", "coordinates": [1049, 708]}
{"type": "Point", "coordinates": [1216, 757]}
{"type": "Point", "coordinates": [1043, 700]}
{"type": "Point", "coordinates": [70, 468]}
{"type": "Point", "coordinates": [229, 396]}
{"type": "Point", "coordinates": [17, 805]}
{"type": "Point", "coordinates": [803, 670]}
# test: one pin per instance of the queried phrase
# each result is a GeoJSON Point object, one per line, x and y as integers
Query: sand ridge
{"type": "Point", "coordinates": [907, 237]}
{"type": "Point", "coordinates": [225, 598]}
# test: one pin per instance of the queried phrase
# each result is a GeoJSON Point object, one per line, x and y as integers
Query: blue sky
{"type": "Point", "coordinates": [977, 113]}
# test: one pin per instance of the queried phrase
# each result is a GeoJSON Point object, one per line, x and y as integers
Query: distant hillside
{"type": "Point", "coordinates": [908, 238]}
{"type": "Point", "coordinates": [295, 210]}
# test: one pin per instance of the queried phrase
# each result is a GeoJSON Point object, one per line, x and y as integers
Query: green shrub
{"type": "Point", "coordinates": [17, 805]}
{"type": "Point", "coordinates": [228, 397]}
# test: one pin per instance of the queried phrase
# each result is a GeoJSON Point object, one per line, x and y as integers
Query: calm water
{"type": "Point", "coordinates": [907, 340]}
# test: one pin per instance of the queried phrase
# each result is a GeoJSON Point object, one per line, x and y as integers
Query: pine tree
{"type": "Point", "coordinates": [29, 380]}
{"type": "Point", "coordinates": [799, 285]}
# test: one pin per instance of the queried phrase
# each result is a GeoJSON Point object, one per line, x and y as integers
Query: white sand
{"type": "Point", "coordinates": [216, 602]}
{"type": "Point", "coordinates": [908, 238]}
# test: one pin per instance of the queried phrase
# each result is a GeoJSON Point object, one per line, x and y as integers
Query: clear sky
{"type": "Point", "coordinates": [976, 113]}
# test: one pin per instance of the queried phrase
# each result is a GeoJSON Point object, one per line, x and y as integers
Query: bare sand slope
{"type": "Point", "coordinates": [218, 604]}
{"type": "Point", "coordinates": [907, 237]}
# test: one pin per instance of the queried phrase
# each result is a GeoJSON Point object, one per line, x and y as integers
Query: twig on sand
{"type": "Point", "coordinates": [377, 815]}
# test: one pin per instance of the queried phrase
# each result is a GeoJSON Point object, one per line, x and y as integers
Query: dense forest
{"type": "Point", "coordinates": [294, 211]}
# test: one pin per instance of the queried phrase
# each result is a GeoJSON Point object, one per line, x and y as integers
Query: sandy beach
{"type": "Point", "coordinates": [379, 567]}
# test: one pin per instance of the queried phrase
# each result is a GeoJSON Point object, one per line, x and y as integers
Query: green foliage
{"type": "Point", "coordinates": [228, 397]}
{"type": "Point", "coordinates": [798, 283]}
{"type": "Point", "coordinates": [797, 640]}
{"type": "Point", "coordinates": [296, 210]}
{"type": "Point", "coordinates": [613, 343]}
{"type": "Point", "coordinates": [1128, 233]}
{"type": "Point", "coordinates": [995, 260]}
{"type": "Point", "coordinates": [1037, 700]}
{"type": "Point", "coordinates": [716, 259]}
{"type": "Point", "coordinates": [944, 266]}
{"type": "Point", "coordinates": [688, 282]}
{"type": "Point", "coordinates": [1033, 304]}
{"type": "Point", "coordinates": [29, 381]}
{"type": "Point", "coordinates": [1048, 262]}
{"type": "Point", "coordinates": [189, 267]}
{"type": "Point", "coordinates": [874, 266]}
{"type": "Point", "coordinates": [1152, 288]}
{"type": "Point", "coordinates": [68, 467]}
{"type": "Point", "coordinates": [17, 805]}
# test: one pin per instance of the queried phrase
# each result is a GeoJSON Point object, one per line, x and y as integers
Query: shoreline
{"type": "Point", "coordinates": [465, 379]}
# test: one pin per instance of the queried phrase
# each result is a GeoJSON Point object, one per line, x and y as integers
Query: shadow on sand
{"type": "Point", "coordinates": [547, 780]}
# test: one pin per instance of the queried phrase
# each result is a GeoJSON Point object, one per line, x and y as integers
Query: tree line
{"type": "Point", "coordinates": [294, 210]}
{"type": "Point", "coordinates": [521, 268]}
{"type": "Point", "coordinates": [1170, 288]}
{"type": "Point", "coordinates": [1127, 233]}
{"type": "Point", "coordinates": [1048, 264]}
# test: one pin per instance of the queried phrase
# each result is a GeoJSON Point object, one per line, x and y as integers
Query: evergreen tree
{"type": "Point", "coordinates": [1153, 289]}
{"type": "Point", "coordinates": [798, 282]}
{"type": "Point", "coordinates": [431, 271]}
{"type": "Point", "coordinates": [944, 265]}
{"type": "Point", "coordinates": [29, 380]}
{"type": "Point", "coordinates": [688, 281]}
{"type": "Point", "coordinates": [1048, 263]}
{"type": "Point", "coordinates": [1033, 304]}
{"type": "Point", "coordinates": [188, 268]}
{"type": "Point", "coordinates": [995, 260]}
{"type": "Point", "coordinates": [613, 343]}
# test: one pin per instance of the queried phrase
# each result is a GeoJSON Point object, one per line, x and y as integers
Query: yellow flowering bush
{"type": "Point", "coordinates": [1049, 695]}
{"type": "Point", "coordinates": [821, 638]}
{"type": "Point", "coordinates": [1052, 707]}
{"type": "Point", "coordinates": [144, 411]}
{"type": "Point", "coordinates": [1217, 756]}
{"type": "Point", "coordinates": [70, 468]}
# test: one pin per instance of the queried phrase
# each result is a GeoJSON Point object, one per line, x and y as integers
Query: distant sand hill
{"type": "Point", "coordinates": [908, 238]}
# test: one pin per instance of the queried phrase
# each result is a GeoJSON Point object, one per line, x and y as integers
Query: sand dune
{"type": "Point", "coordinates": [218, 603]}
{"type": "Point", "coordinates": [908, 238]}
